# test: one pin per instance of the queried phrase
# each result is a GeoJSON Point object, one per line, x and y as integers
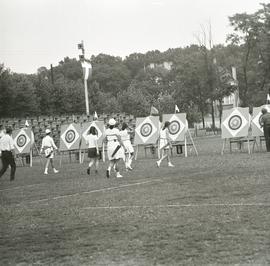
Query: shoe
{"type": "Point", "coordinates": [107, 173]}
{"type": "Point", "coordinates": [96, 172]}
{"type": "Point", "coordinates": [45, 173]}
{"type": "Point", "coordinates": [12, 179]}
{"type": "Point", "coordinates": [170, 165]}
{"type": "Point", "coordinates": [88, 171]}
{"type": "Point", "coordinates": [118, 175]}
{"type": "Point", "coordinates": [55, 171]}
{"type": "Point", "coordinates": [158, 163]}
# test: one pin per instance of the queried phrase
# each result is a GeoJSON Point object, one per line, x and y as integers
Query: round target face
{"type": "Point", "coordinates": [174, 127]}
{"type": "Point", "coordinates": [70, 136]}
{"type": "Point", "coordinates": [21, 140]}
{"type": "Point", "coordinates": [146, 129]}
{"type": "Point", "coordinates": [235, 122]}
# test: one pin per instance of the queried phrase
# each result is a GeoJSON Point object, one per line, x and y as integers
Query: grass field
{"type": "Point", "coordinates": [208, 210]}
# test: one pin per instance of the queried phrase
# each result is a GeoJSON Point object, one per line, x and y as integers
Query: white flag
{"type": "Point", "coordinates": [95, 116]}
{"type": "Point", "coordinates": [268, 98]}
{"type": "Point", "coordinates": [176, 109]}
{"type": "Point", "coordinates": [87, 70]}
{"type": "Point", "coordinates": [26, 124]}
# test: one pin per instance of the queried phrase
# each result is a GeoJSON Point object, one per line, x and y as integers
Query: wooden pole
{"type": "Point", "coordinates": [86, 97]}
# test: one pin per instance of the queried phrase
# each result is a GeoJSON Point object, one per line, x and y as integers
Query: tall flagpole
{"type": "Point", "coordinates": [86, 97]}
{"type": "Point", "coordinates": [81, 47]}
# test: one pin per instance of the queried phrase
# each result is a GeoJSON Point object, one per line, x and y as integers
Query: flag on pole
{"type": "Point", "coordinates": [95, 116]}
{"type": "Point", "coordinates": [268, 98]}
{"type": "Point", "coordinates": [26, 124]}
{"type": "Point", "coordinates": [153, 111]}
{"type": "Point", "coordinates": [176, 109]}
{"type": "Point", "coordinates": [87, 69]}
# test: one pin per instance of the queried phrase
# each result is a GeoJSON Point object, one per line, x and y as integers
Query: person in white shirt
{"type": "Point", "coordinates": [114, 144]}
{"type": "Point", "coordinates": [125, 137]}
{"type": "Point", "coordinates": [164, 145]}
{"type": "Point", "coordinates": [93, 151]}
{"type": "Point", "coordinates": [8, 154]}
{"type": "Point", "coordinates": [48, 146]}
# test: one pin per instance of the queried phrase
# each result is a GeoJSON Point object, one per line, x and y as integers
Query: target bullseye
{"type": "Point", "coordinates": [146, 129]}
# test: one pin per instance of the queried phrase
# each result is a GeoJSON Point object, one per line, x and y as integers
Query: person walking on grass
{"type": "Point", "coordinates": [164, 145]}
{"type": "Point", "coordinates": [129, 154]}
{"type": "Point", "coordinates": [48, 146]}
{"type": "Point", "coordinates": [93, 151]}
{"type": "Point", "coordinates": [113, 139]}
{"type": "Point", "coordinates": [7, 154]}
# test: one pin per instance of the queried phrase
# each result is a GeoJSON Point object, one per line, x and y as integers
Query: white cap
{"type": "Point", "coordinates": [112, 122]}
{"type": "Point", "coordinates": [47, 131]}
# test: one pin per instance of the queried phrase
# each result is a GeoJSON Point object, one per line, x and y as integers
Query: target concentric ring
{"type": "Point", "coordinates": [146, 130]}
{"type": "Point", "coordinates": [21, 140]}
{"type": "Point", "coordinates": [70, 136]}
{"type": "Point", "coordinates": [235, 122]}
{"type": "Point", "coordinates": [174, 127]}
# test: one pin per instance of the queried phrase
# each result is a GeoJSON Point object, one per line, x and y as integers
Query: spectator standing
{"type": "Point", "coordinates": [265, 123]}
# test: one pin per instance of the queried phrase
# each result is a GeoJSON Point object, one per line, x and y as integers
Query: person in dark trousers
{"type": "Point", "coordinates": [8, 154]}
{"type": "Point", "coordinates": [265, 123]}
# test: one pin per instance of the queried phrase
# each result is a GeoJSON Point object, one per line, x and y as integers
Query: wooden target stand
{"type": "Point", "coordinates": [239, 141]}
{"type": "Point", "coordinates": [259, 139]}
{"type": "Point", "coordinates": [188, 141]}
{"type": "Point", "coordinates": [69, 153]}
{"type": "Point", "coordinates": [20, 156]}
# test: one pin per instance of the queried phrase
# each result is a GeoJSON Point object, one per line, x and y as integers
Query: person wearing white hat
{"type": "Point", "coordinates": [114, 144]}
{"type": "Point", "coordinates": [48, 146]}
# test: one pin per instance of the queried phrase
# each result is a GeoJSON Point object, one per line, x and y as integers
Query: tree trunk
{"type": "Point", "coordinates": [213, 116]}
{"type": "Point", "coordinates": [203, 122]}
{"type": "Point", "coordinates": [220, 111]}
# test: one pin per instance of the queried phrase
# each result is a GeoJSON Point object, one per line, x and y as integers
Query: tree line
{"type": "Point", "coordinates": [200, 76]}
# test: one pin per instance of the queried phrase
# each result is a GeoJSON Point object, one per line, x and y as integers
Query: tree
{"type": "Point", "coordinates": [251, 34]}
{"type": "Point", "coordinates": [133, 101]}
{"type": "Point", "coordinates": [5, 91]}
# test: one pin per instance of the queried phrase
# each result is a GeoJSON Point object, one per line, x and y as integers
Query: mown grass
{"type": "Point", "coordinates": [208, 210]}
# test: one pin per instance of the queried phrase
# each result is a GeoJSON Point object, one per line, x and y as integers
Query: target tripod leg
{"type": "Point", "coordinates": [31, 158]}
{"type": "Point", "coordinates": [137, 150]}
{"type": "Point", "coordinates": [223, 146]}
{"type": "Point", "coordinates": [248, 146]}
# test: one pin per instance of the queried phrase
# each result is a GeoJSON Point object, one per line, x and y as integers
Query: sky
{"type": "Point", "coordinates": [35, 33]}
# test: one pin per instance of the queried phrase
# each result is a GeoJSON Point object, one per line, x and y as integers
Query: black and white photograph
{"type": "Point", "coordinates": [134, 132]}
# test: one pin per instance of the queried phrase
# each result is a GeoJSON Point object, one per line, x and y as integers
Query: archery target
{"type": "Point", "coordinates": [178, 126]}
{"type": "Point", "coordinates": [146, 130]}
{"type": "Point", "coordinates": [70, 136]}
{"type": "Point", "coordinates": [174, 127]}
{"type": "Point", "coordinates": [257, 129]}
{"type": "Point", "coordinates": [21, 140]}
{"type": "Point", "coordinates": [235, 122]}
